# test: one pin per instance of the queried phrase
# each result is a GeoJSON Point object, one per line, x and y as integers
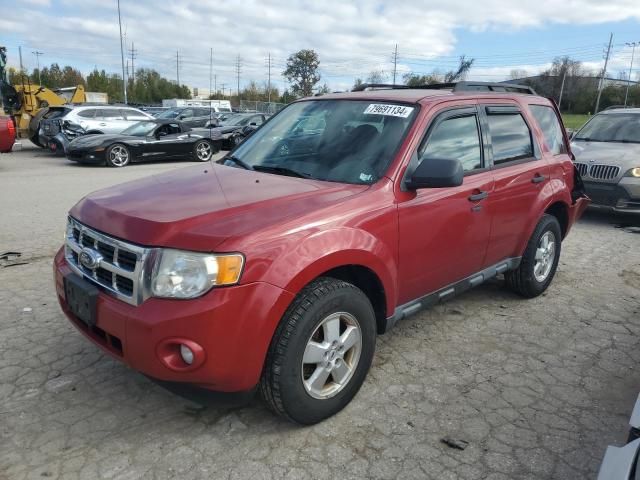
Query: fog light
{"type": "Point", "coordinates": [186, 353]}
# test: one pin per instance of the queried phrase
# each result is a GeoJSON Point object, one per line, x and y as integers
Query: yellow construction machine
{"type": "Point", "coordinates": [27, 102]}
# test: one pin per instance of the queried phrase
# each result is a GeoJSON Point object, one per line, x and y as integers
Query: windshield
{"type": "Point", "coordinates": [140, 129]}
{"type": "Point", "coordinates": [236, 120]}
{"type": "Point", "coordinates": [333, 140]}
{"type": "Point", "coordinates": [168, 114]}
{"type": "Point", "coordinates": [612, 127]}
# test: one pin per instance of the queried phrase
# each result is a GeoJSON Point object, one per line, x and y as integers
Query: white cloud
{"type": "Point", "coordinates": [352, 38]}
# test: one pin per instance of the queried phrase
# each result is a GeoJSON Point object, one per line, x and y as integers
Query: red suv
{"type": "Point", "coordinates": [275, 269]}
{"type": "Point", "coordinates": [7, 134]}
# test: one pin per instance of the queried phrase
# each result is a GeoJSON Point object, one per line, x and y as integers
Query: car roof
{"type": "Point", "coordinates": [613, 111]}
{"type": "Point", "coordinates": [418, 95]}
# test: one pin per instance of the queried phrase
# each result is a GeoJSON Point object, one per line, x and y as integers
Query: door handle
{"type": "Point", "coordinates": [476, 197]}
{"type": "Point", "coordinates": [538, 178]}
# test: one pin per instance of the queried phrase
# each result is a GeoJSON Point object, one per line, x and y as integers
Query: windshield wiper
{"type": "Point", "coordinates": [587, 139]}
{"type": "Point", "coordinates": [281, 170]}
{"type": "Point", "coordinates": [239, 162]}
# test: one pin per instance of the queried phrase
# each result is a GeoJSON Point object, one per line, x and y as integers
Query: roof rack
{"type": "Point", "coordinates": [455, 87]}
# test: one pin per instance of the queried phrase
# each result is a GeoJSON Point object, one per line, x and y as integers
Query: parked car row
{"type": "Point", "coordinates": [89, 133]}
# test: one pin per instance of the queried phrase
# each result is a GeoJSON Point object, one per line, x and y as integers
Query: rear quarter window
{"type": "Point", "coordinates": [550, 126]}
{"type": "Point", "coordinates": [88, 113]}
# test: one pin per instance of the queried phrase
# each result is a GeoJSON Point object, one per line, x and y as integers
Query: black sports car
{"type": "Point", "coordinates": [146, 140]}
{"type": "Point", "coordinates": [236, 127]}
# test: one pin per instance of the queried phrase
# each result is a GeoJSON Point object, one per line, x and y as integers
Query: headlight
{"type": "Point", "coordinates": [179, 274]}
{"type": "Point", "coordinates": [634, 172]}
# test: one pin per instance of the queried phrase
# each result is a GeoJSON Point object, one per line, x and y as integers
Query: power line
{"type": "Point", "coordinates": [38, 54]}
{"type": "Point", "coordinates": [269, 64]}
{"type": "Point", "coordinates": [178, 67]}
{"type": "Point", "coordinates": [132, 52]}
{"type": "Point", "coordinates": [604, 72]}
{"type": "Point", "coordinates": [124, 79]}
{"type": "Point", "coordinates": [395, 63]}
{"type": "Point", "coordinates": [238, 71]}
{"type": "Point", "coordinates": [633, 46]}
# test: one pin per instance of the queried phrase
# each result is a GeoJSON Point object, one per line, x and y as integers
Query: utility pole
{"type": "Point", "coordinates": [222, 86]}
{"type": "Point", "coordinates": [37, 54]}
{"type": "Point", "coordinates": [269, 77]}
{"type": "Point", "coordinates": [124, 79]}
{"type": "Point", "coordinates": [395, 64]}
{"type": "Point", "coordinates": [604, 72]}
{"type": "Point", "coordinates": [20, 54]}
{"type": "Point", "coordinates": [178, 68]}
{"type": "Point", "coordinates": [210, 70]}
{"type": "Point", "coordinates": [564, 77]}
{"type": "Point", "coordinates": [132, 52]}
{"type": "Point", "coordinates": [215, 84]}
{"type": "Point", "coordinates": [238, 71]}
{"type": "Point", "coordinates": [633, 46]}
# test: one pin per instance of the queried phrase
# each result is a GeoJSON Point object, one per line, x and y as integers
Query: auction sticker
{"type": "Point", "coordinates": [388, 110]}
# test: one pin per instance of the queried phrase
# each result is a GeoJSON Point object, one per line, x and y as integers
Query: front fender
{"type": "Point", "coordinates": [329, 249]}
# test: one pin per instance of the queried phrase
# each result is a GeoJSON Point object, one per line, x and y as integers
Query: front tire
{"type": "Point", "coordinates": [321, 352]}
{"type": "Point", "coordinates": [118, 155]}
{"type": "Point", "coordinates": [540, 260]}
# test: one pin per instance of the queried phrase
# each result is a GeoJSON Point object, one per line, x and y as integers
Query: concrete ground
{"type": "Point", "coordinates": [537, 388]}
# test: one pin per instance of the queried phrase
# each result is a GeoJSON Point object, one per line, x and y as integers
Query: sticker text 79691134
{"type": "Point", "coordinates": [388, 110]}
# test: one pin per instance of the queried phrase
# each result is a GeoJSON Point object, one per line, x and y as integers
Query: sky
{"type": "Point", "coordinates": [352, 38]}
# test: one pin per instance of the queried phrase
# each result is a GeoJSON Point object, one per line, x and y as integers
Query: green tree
{"type": "Point", "coordinates": [302, 72]}
{"type": "Point", "coordinates": [459, 74]}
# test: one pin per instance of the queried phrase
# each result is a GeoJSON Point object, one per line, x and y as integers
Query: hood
{"type": "Point", "coordinates": [197, 208]}
{"type": "Point", "coordinates": [624, 155]}
{"type": "Point", "coordinates": [96, 139]}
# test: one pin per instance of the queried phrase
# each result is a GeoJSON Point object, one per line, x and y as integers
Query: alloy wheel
{"type": "Point", "coordinates": [545, 256]}
{"type": "Point", "coordinates": [203, 151]}
{"type": "Point", "coordinates": [331, 355]}
{"type": "Point", "coordinates": [119, 156]}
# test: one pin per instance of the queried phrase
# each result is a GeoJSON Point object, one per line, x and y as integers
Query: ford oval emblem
{"type": "Point", "coordinates": [89, 258]}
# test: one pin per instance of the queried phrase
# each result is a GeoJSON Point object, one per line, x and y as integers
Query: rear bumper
{"type": "Point", "coordinates": [622, 197]}
{"type": "Point", "coordinates": [233, 326]}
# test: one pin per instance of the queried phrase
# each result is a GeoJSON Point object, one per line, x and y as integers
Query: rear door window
{"type": "Point", "coordinates": [132, 114]}
{"type": "Point", "coordinates": [550, 126]}
{"type": "Point", "coordinates": [109, 114]}
{"type": "Point", "coordinates": [510, 136]}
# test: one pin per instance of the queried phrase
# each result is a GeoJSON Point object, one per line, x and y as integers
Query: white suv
{"type": "Point", "coordinates": [105, 119]}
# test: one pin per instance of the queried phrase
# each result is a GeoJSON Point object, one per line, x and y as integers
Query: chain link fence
{"type": "Point", "coordinates": [261, 107]}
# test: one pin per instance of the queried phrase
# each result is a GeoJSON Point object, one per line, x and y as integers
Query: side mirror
{"type": "Point", "coordinates": [161, 134]}
{"type": "Point", "coordinates": [253, 124]}
{"type": "Point", "coordinates": [181, 117]}
{"type": "Point", "coordinates": [436, 173]}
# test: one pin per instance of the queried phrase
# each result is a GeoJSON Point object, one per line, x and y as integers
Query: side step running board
{"type": "Point", "coordinates": [452, 290]}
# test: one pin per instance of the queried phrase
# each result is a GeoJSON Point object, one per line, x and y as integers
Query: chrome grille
{"type": "Point", "coordinates": [604, 172]}
{"type": "Point", "coordinates": [119, 266]}
{"type": "Point", "coordinates": [583, 168]}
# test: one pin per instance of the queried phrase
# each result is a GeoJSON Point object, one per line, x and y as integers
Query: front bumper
{"type": "Point", "coordinates": [232, 325]}
{"type": "Point", "coordinates": [622, 197]}
{"type": "Point", "coordinates": [85, 156]}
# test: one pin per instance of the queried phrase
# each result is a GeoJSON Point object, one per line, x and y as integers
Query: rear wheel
{"type": "Point", "coordinates": [203, 151]}
{"type": "Point", "coordinates": [118, 155]}
{"type": "Point", "coordinates": [540, 260]}
{"type": "Point", "coordinates": [320, 353]}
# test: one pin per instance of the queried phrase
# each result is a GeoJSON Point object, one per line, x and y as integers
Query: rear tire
{"type": "Point", "coordinates": [540, 260]}
{"type": "Point", "coordinates": [320, 353]}
{"type": "Point", "coordinates": [118, 155]}
{"type": "Point", "coordinates": [203, 151]}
